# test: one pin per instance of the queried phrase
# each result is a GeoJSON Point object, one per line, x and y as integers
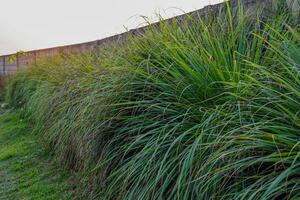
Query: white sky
{"type": "Point", "coordinates": [36, 24]}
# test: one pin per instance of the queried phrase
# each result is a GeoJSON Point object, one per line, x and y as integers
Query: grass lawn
{"type": "Point", "coordinates": [25, 170]}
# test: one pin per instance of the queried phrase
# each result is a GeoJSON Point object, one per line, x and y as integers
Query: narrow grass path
{"type": "Point", "coordinates": [25, 170]}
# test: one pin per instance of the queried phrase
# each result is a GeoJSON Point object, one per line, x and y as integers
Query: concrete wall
{"type": "Point", "coordinates": [21, 61]}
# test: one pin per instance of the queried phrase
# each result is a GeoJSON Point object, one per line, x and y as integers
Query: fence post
{"type": "Point", "coordinates": [34, 57]}
{"type": "Point", "coordinates": [3, 65]}
{"type": "Point", "coordinates": [17, 61]}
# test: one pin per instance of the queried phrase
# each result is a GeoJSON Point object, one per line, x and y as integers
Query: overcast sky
{"type": "Point", "coordinates": [36, 24]}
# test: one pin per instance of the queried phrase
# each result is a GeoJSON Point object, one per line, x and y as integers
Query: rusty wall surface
{"type": "Point", "coordinates": [10, 66]}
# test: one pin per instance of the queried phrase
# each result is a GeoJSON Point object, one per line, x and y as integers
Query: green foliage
{"type": "Point", "coordinates": [13, 58]}
{"type": "Point", "coordinates": [204, 110]}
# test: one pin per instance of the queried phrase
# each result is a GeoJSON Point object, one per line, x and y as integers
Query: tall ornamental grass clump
{"type": "Point", "coordinates": [190, 110]}
{"type": "Point", "coordinates": [69, 99]}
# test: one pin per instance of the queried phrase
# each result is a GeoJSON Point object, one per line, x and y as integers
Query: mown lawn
{"type": "Point", "coordinates": [25, 170]}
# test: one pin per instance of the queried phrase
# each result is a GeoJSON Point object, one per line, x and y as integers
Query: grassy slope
{"type": "Point", "coordinates": [24, 170]}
